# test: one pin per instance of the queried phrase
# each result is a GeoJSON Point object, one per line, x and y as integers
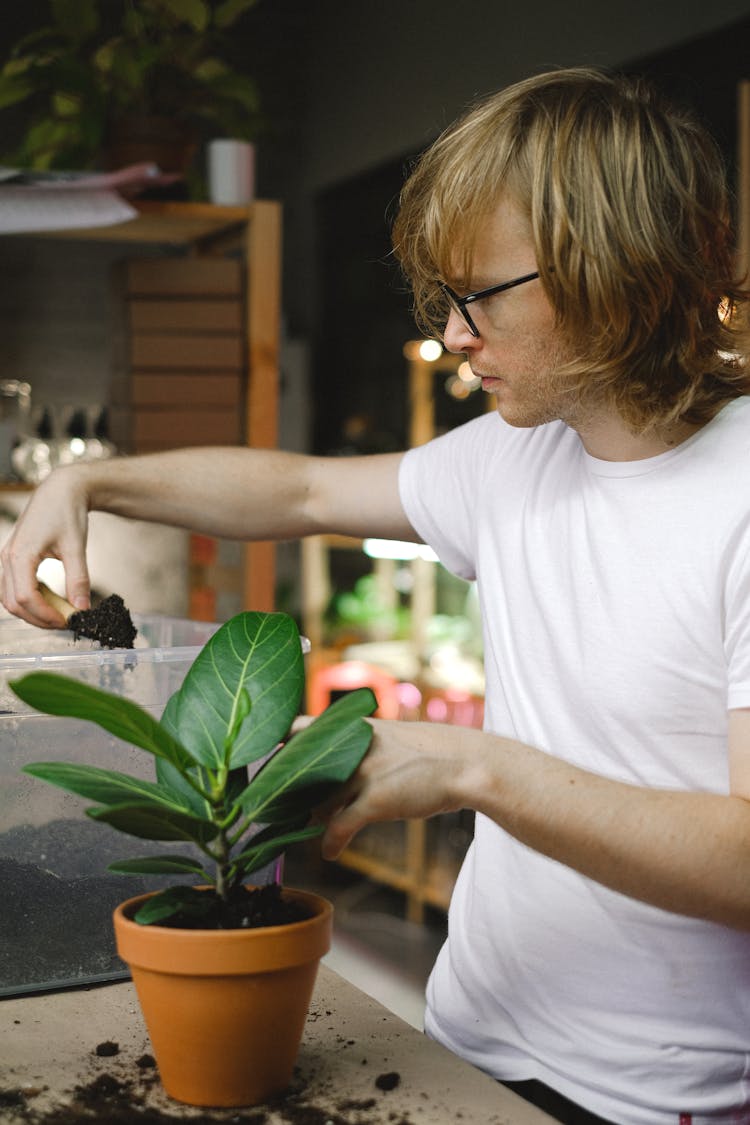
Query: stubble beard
{"type": "Point", "coordinates": [535, 400]}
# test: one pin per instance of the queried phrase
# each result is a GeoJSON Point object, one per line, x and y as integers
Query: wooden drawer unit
{"type": "Point", "coordinates": [185, 354]}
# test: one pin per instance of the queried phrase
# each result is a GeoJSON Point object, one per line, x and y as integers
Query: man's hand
{"type": "Point", "coordinates": [407, 773]}
{"type": "Point", "coordinates": [53, 525]}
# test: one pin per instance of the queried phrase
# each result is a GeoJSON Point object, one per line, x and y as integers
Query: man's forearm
{"type": "Point", "coordinates": [232, 493]}
{"type": "Point", "coordinates": [228, 492]}
{"type": "Point", "coordinates": [245, 493]}
{"type": "Point", "coordinates": [684, 852]}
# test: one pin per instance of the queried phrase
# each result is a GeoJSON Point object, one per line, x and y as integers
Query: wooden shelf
{"type": "Point", "coordinates": [179, 224]}
{"type": "Point", "coordinates": [424, 880]}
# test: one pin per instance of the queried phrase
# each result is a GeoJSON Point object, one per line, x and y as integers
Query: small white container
{"type": "Point", "coordinates": [231, 172]}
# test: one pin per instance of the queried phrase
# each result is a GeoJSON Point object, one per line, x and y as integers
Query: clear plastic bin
{"type": "Point", "coordinates": [56, 896]}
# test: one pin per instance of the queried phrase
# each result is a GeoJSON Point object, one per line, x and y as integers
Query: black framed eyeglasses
{"type": "Point", "coordinates": [460, 303]}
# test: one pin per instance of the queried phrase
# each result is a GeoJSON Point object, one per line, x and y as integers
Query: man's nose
{"type": "Point", "coordinates": [458, 337]}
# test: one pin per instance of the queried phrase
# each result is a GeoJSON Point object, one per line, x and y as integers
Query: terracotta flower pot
{"type": "Point", "coordinates": [225, 1009]}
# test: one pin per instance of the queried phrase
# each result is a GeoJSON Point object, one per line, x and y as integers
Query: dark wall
{"type": "Point", "coordinates": [362, 311]}
{"type": "Point", "coordinates": [363, 316]}
{"type": "Point", "coordinates": [704, 73]}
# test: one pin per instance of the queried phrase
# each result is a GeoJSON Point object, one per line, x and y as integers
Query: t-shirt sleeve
{"type": "Point", "coordinates": [439, 487]}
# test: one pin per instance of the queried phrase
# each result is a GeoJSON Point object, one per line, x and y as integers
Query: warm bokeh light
{"type": "Point", "coordinates": [430, 350]}
{"type": "Point", "coordinates": [456, 388]}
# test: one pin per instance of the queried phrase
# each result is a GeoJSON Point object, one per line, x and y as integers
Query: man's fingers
{"type": "Point", "coordinates": [77, 582]}
{"type": "Point", "coordinates": [339, 832]}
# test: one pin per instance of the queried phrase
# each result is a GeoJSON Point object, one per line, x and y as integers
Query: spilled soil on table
{"type": "Point", "coordinates": [120, 1096]}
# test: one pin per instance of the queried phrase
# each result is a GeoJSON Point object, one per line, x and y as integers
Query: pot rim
{"type": "Point", "coordinates": [316, 902]}
{"type": "Point", "coordinates": [218, 952]}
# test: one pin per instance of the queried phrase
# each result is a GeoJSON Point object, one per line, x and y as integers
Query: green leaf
{"type": "Point", "coordinates": [256, 653]}
{"type": "Point", "coordinates": [126, 66]}
{"type": "Point", "coordinates": [264, 850]}
{"type": "Point", "coordinates": [107, 787]}
{"type": "Point", "coordinates": [149, 822]}
{"type": "Point", "coordinates": [242, 709]}
{"type": "Point", "coordinates": [313, 761]}
{"type": "Point", "coordinates": [66, 105]}
{"type": "Point", "coordinates": [194, 12]}
{"type": "Point", "coordinates": [60, 695]}
{"type": "Point", "coordinates": [158, 865]}
{"type": "Point", "coordinates": [229, 12]}
{"type": "Point", "coordinates": [168, 777]}
{"type": "Point", "coordinates": [14, 88]}
{"type": "Point", "coordinates": [233, 88]}
{"type": "Point", "coordinates": [182, 900]}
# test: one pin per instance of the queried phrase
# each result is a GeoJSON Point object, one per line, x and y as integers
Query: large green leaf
{"type": "Point", "coordinates": [151, 822]}
{"type": "Point", "coordinates": [255, 657]}
{"type": "Point", "coordinates": [312, 762]}
{"type": "Point", "coordinates": [158, 865]}
{"type": "Point", "coordinates": [106, 787]}
{"type": "Point", "coordinates": [60, 695]}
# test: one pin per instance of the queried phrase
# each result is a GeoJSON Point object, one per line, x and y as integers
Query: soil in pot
{"type": "Point", "coordinates": [246, 908]}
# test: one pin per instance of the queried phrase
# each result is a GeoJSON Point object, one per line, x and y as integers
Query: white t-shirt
{"type": "Point", "coordinates": [616, 607]}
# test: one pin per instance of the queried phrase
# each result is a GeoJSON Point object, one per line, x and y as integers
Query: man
{"type": "Point", "coordinates": [570, 236]}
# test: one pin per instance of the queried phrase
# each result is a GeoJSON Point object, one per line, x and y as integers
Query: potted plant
{"type": "Point", "coordinates": [112, 84]}
{"type": "Point", "coordinates": [224, 971]}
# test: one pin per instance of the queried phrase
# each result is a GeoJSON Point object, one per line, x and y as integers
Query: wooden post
{"type": "Point", "coordinates": [316, 589]}
{"type": "Point", "coordinates": [263, 318]}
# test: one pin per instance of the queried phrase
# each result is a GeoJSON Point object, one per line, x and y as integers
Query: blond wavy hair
{"type": "Point", "coordinates": [628, 204]}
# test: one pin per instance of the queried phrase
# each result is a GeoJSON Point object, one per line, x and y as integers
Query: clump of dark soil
{"type": "Point", "coordinates": [109, 623]}
{"type": "Point", "coordinates": [388, 1081]}
{"type": "Point", "coordinates": [107, 1049]}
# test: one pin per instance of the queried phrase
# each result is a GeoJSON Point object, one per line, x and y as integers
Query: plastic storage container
{"type": "Point", "coordinates": [56, 896]}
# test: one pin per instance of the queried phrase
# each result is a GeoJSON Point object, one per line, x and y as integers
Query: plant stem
{"type": "Point", "coordinates": [240, 832]}
{"type": "Point", "coordinates": [221, 857]}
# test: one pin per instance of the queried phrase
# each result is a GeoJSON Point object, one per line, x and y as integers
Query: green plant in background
{"type": "Point", "coordinates": [365, 610]}
{"type": "Point", "coordinates": [99, 61]}
{"type": "Point", "coordinates": [234, 707]}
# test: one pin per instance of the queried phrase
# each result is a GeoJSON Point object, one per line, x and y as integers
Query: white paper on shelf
{"type": "Point", "coordinates": [26, 209]}
{"type": "Point", "coordinates": [133, 176]}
